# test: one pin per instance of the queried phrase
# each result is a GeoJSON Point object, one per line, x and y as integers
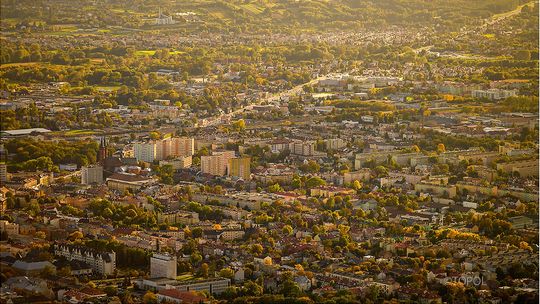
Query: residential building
{"type": "Point", "coordinates": [180, 162]}
{"type": "Point", "coordinates": [184, 297]}
{"type": "Point", "coordinates": [3, 173]}
{"type": "Point", "coordinates": [523, 168]}
{"type": "Point", "coordinates": [240, 167]}
{"type": "Point", "coordinates": [163, 148]}
{"type": "Point", "coordinates": [9, 228]}
{"type": "Point", "coordinates": [335, 143]}
{"type": "Point", "coordinates": [216, 164]}
{"type": "Point", "coordinates": [436, 189]}
{"type": "Point", "coordinates": [329, 191]}
{"type": "Point", "coordinates": [92, 175]}
{"type": "Point", "coordinates": [33, 268]}
{"type": "Point", "coordinates": [182, 146]}
{"type": "Point", "coordinates": [178, 217]}
{"type": "Point", "coordinates": [163, 266]}
{"type": "Point", "coordinates": [304, 148]}
{"type": "Point", "coordinates": [360, 175]}
{"type": "Point", "coordinates": [493, 94]}
{"type": "Point", "coordinates": [102, 262]}
{"type": "Point", "coordinates": [145, 151]}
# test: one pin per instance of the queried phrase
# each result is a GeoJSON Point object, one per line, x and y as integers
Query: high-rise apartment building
{"type": "Point", "coordinates": [182, 146]}
{"type": "Point", "coordinates": [239, 167]}
{"type": "Point", "coordinates": [303, 148]}
{"type": "Point", "coordinates": [216, 164]}
{"type": "Point", "coordinates": [145, 151]}
{"type": "Point", "coordinates": [92, 175]}
{"type": "Point", "coordinates": [163, 266]}
{"type": "Point", "coordinates": [163, 148]}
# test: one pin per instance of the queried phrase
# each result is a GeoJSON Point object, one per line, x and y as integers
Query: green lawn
{"type": "Point", "coordinates": [185, 277]}
{"type": "Point", "coordinates": [79, 132]}
{"type": "Point", "coordinates": [252, 8]}
{"type": "Point", "coordinates": [107, 88]}
{"type": "Point", "coordinates": [152, 52]}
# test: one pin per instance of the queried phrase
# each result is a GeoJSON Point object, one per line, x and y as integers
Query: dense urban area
{"type": "Point", "coordinates": [269, 151]}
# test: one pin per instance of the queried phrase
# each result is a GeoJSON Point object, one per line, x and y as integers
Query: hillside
{"type": "Point", "coordinates": [257, 15]}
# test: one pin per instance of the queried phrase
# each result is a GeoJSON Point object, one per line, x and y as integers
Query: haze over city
{"type": "Point", "coordinates": [269, 151]}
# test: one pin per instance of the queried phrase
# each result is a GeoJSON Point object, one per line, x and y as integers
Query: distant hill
{"type": "Point", "coordinates": [253, 15]}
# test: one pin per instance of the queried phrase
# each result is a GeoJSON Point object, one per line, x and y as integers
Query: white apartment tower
{"type": "Point", "coordinates": [92, 175]}
{"type": "Point", "coordinates": [145, 151]}
{"type": "Point", "coordinates": [163, 266]}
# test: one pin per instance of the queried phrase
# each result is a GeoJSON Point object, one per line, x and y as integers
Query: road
{"type": "Point", "coordinates": [500, 17]}
{"type": "Point", "coordinates": [216, 120]}
{"type": "Point", "coordinates": [487, 22]}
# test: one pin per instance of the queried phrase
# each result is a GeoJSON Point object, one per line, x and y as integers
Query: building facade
{"type": "Point", "coordinates": [145, 151]}
{"type": "Point", "coordinates": [101, 261]}
{"type": "Point", "coordinates": [163, 266]}
{"type": "Point", "coordinates": [182, 146]}
{"type": "Point", "coordinates": [92, 175]}
{"type": "Point", "coordinates": [240, 167]}
{"type": "Point", "coordinates": [216, 164]}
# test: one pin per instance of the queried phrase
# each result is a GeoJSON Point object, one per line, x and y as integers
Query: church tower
{"type": "Point", "coordinates": [102, 154]}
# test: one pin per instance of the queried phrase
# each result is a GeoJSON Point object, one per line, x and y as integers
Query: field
{"type": "Point", "coordinates": [185, 277]}
{"type": "Point", "coordinates": [107, 88]}
{"type": "Point", "coordinates": [152, 52]}
{"type": "Point", "coordinates": [17, 64]}
{"type": "Point", "coordinates": [79, 132]}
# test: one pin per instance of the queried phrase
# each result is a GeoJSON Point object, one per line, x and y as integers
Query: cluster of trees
{"type": "Point", "coordinates": [32, 117]}
{"type": "Point", "coordinates": [31, 154]}
{"type": "Point", "coordinates": [126, 257]}
{"type": "Point", "coordinates": [123, 215]}
{"type": "Point", "coordinates": [206, 212]}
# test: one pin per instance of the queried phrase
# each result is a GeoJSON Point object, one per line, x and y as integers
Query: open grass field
{"type": "Point", "coordinates": [185, 277]}
{"type": "Point", "coordinates": [17, 64]}
{"type": "Point", "coordinates": [152, 52]}
{"type": "Point", "coordinates": [79, 132]}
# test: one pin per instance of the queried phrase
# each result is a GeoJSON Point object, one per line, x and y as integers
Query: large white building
{"type": "Point", "coordinates": [164, 148]}
{"type": "Point", "coordinates": [163, 266]}
{"type": "Point", "coordinates": [101, 261]}
{"type": "Point", "coordinates": [493, 94]}
{"type": "Point", "coordinates": [306, 148]}
{"type": "Point", "coordinates": [163, 19]}
{"type": "Point", "coordinates": [335, 143]}
{"type": "Point", "coordinates": [92, 175]}
{"type": "Point", "coordinates": [145, 151]}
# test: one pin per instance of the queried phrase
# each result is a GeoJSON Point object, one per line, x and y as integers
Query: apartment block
{"type": "Point", "coordinates": [182, 146]}
{"type": "Point", "coordinates": [145, 151]}
{"type": "Point", "coordinates": [102, 262]}
{"type": "Point", "coordinates": [360, 175]}
{"type": "Point", "coordinates": [3, 172]}
{"type": "Point", "coordinates": [240, 167]}
{"type": "Point", "coordinates": [163, 266]}
{"type": "Point", "coordinates": [335, 143]}
{"type": "Point", "coordinates": [178, 163]}
{"type": "Point", "coordinates": [216, 164]}
{"type": "Point", "coordinates": [304, 148]}
{"type": "Point", "coordinates": [92, 175]}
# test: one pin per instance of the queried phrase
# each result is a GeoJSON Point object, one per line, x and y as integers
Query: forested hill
{"type": "Point", "coordinates": [242, 15]}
